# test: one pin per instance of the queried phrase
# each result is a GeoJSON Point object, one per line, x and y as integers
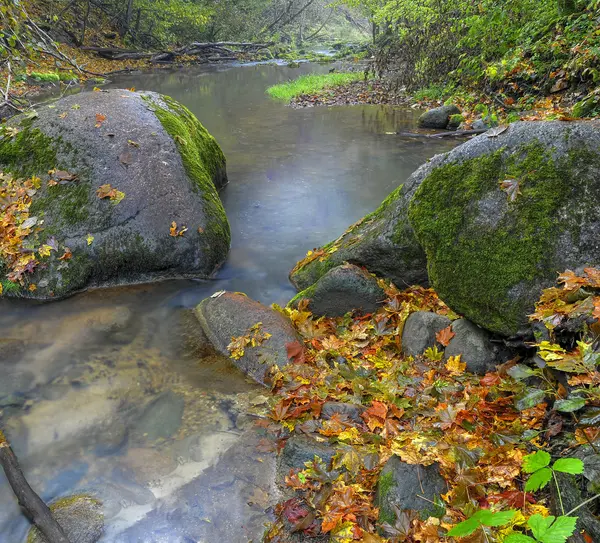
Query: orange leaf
{"type": "Point", "coordinates": [444, 336]}
{"type": "Point", "coordinates": [100, 119]}
{"type": "Point", "coordinates": [295, 352]}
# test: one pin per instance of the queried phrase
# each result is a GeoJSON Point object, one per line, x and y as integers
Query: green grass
{"type": "Point", "coordinates": [312, 84]}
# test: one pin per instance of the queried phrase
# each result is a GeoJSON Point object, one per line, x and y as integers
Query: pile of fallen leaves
{"type": "Point", "coordinates": [425, 410]}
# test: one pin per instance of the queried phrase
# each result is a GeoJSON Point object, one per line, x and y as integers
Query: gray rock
{"type": "Point", "coordinates": [161, 419]}
{"type": "Point", "coordinates": [490, 251]}
{"type": "Point", "coordinates": [233, 314]}
{"type": "Point", "coordinates": [342, 289]}
{"type": "Point", "coordinates": [473, 345]}
{"type": "Point", "coordinates": [420, 330]}
{"type": "Point", "coordinates": [401, 484]}
{"type": "Point", "coordinates": [350, 410]}
{"type": "Point", "coordinates": [438, 117]}
{"type": "Point", "coordinates": [80, 516]}
{"type": "Point", "coordinates": [11, 350]}
{"type": "Point", "coordinates": [480, 124]}
{"type": "Point", "coordinates": [13, 385]}
{"type": "Point", "coordinates": [383, 242]}
{"type": "Point", "coordinates": [150, 148]}
{"type": "Point", "coordinates": [297, 451]}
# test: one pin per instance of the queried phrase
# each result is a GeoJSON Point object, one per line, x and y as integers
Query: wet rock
{"type": "Point", "coordinates": [11, 350]}
{"type": "Point", "coordinates": [80, 516]}
{"type": "Point", "coordinates": [342, 289]}
{"type": "Point", "coordinates": [420, 330]}
{"type": "Point", "coordinates": [161, 419]}
{"type": "Point", "coordinates": [297, 451]}
{"type": "Point", "coordinates": [13, 385]}
{"type": "Point", "coordinates": [233, 314]}
{"type": "Point", "coordinates": [350, 410]}
{"type": "Point", "coordinates": [171, 172]}
{"type": "Point", "coordinates": [474, 346]}
{"type": "Point", "coordinates": [401, 484]}
{"type": "Point", "coordinates": [438, 117]}
{"type": "Point", "coordinates": [490, 250]}
{"type": "Point", "coordinates": [147, 464]}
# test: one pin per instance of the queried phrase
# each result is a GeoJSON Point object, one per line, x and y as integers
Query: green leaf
{"type": "Point", "coordinates": [518, 538]}
{"type": "Point", "coordinates": [466, 527]}
{"type": "Point", "coordinates": [529, 399]}
{"type": "Point", "coordinates": [569, 465]}
{"type": "Point", "coordinates": [520, 371]}
{"type": "Point", "coordinates": [539, 479]}
{"type": "Point", "coordinates": [535, 461]}
{"type": "Point", "coordinates": [487, 518]}
{"type": "Point", "coordinates": [570, 404]}
{"type": "Point", "coordinates": [551, 530]}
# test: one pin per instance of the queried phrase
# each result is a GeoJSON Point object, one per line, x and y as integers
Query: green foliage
{"type": "Point", "coordinates": [483, 517]}
{"type": "Point", "coordinates": [538, 465]}
{"type": "Point", "coordinates": [45, 76]}
{"type": "Point", "coordinates": [312, 84]}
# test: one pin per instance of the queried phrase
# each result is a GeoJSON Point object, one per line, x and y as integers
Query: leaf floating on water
{"type": "Point", "coordinates": [511, 187]}
{"type": "Point", "coordinates": [496, 131]}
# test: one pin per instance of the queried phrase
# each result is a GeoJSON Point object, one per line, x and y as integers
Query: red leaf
{"type": "Point", "coordinates": [295, 352]}
{"type": "Point", "coordinates": [444, 336]}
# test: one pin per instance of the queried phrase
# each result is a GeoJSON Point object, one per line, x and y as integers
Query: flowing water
{"type": "Point", "coordinates": [107, 392]}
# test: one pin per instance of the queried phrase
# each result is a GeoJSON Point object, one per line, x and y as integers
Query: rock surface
{"type": "Point", "coordinates": [383, 242]}
{"type": "Point", "coordinates": [341, 290]}
{"type": "Point", "coordinates": [401, 484]}
{"type": "Point", "coordinates": [160, 419]}
{"type": "Point", "coordinates": [502, 214]}
{"type": "Point", "coordinates": [232, 314]}
{"type": "Point", "coordinates": [80, 516]}
{"type": "Point", "coordinates": [473, 345]}
{"type": "Point", "coordinates": [438, 117]}
{"type": "Point", "coordinates": [420, 330]}
{"type": "Point", "coordinates": [143, 144]}
{"type": "Point", "coordinates": [297, 451]}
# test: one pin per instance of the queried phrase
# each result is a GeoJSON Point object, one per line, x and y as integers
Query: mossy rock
{"type": "Point", "coordinates": [383, 242]}
{"type": "Point", "coordinates": [490, 251]}
{"type": "Point", "coordinates": [80, 516]}
{"type": "Point", "coordinates": [149, 147]}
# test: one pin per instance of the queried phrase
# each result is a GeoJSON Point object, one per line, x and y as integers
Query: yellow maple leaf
{"type": "Point", "coordinates": [90, 239]}
{"type": "Point", "coordinates": [455, 366]}
{"type": "Point", "coordinates": [44, 250]}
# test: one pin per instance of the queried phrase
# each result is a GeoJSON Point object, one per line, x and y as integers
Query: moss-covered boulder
{"type": "Point", "coordinates": [502, 214]}
{"type": "Point", "coordinates": [383, 242]}
{"type": "Point", "coordinates": [127, 193]}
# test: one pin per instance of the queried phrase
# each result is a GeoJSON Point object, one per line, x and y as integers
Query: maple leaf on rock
{"type": "Point", "coordinates": [444, 336]}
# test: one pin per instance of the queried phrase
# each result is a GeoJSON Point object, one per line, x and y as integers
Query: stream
{"type": "Point", "coordinates": [108, 393]}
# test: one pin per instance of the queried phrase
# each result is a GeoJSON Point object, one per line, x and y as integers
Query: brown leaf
{"type": "Point", "coordinates": [100, 119]}
{"type": "Point", "coordinates": [444, 336]}
{"type": "Point", "coordinates": [295, 352]}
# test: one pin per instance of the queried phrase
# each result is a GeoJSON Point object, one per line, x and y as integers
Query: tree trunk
{"type": "Point", "coordinates": [128, 15]}
{"type": "Point", "coordinates": [85, 22]}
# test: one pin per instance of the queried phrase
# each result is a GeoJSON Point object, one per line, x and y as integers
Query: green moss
{"type": "Point", "coordinates": [45, 76]}
{"type": "Point", "coordinates": [384, 487]}
{"type": "Point", "coordinates": [125, 253]}
{"type": "Point", "coordinates": [473, 260]}
{"type": "Point", "coordinates": [312, 84]}
{"type": "Point", "coordinates": [202, 158]}
{"type": "Point", "coordinates": [71, 200]}
{"type": "Point", "coordinates": [305, 294]}
{"type": "Point", "coordinates": [28, 153]}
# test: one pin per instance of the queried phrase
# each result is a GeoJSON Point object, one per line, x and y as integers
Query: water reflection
{"type": "Point", "coordinates": [106, 393]}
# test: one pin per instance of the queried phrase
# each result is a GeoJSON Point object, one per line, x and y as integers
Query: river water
{"type": "Point", "coordinates": [107, 392]}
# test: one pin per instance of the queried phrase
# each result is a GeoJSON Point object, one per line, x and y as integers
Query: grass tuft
{"type": "Point", "coordinates": [312, 84]}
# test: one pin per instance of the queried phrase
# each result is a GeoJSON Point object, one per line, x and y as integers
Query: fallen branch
{"type": "Point", "coordinates": [454, 134]}
{"type": "Point", "coordinates": [33, 505]}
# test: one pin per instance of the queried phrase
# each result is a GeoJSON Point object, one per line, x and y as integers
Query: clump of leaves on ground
{"type": "Point", "coordinates": [489, 435]}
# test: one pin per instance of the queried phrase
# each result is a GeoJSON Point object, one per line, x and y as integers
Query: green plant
{"type": "Point", "coordinates": [312, 84]}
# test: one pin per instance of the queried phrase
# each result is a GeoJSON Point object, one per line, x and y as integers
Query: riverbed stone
{"type": "Point", "coordinates": [80, 516]}
{"type": "Point", "coordinates": [438, 117]}
{"type": "Point", "coordinates": [153, 150]}
{"type": "Point", "coordinates": [420, 331]}
{"type": "Point", "coordinates": [474, 346]}
{"type": "Point", "coordinates": [341, 290]}
{"type": "Point", "coordinates": [490, 250]}
{"type": "Point", "coordinates": [350, 411]}
{"type": "Point", "coordinates": [400, 485]}
{"type": "Point", "coordinates": [161, 419]}
{"type": "Point", "coordinates": [229, 315]}
{"type": "Point", "coordinates": [298, 450]}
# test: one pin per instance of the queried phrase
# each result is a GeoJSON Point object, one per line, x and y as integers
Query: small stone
{"type": "Point", "coordinates": [473, 345]}
{"type": "Point", "coordinates": [438, 117]}
{"type": "Point", "coordinates": [420, 330]}
{"type": "Point", "coordinates": [161, 419]}
{"type": "Point", "coordinates": [341, 290]}
{"type": "Point", "coordinates": [297, 451]}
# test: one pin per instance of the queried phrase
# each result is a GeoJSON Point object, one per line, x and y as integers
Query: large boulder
{"type": "Point", "coordinates": [474, 346]}
{"type": "Point", "coordinates": [500, 215]}
{"type": "Point", "coordinates": [344, 288]}
{"type": "Point", "coordinates": [438, 117]}
{"type": "Point", "coordinates": [230, 315]}
{"type": "Point", "coordinates": [128, 165]}
{"type": "Point", "coordinates": [383, 242]}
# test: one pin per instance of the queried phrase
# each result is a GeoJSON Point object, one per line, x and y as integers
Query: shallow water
{"type": "Point", "coordinates": [107, 393]}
